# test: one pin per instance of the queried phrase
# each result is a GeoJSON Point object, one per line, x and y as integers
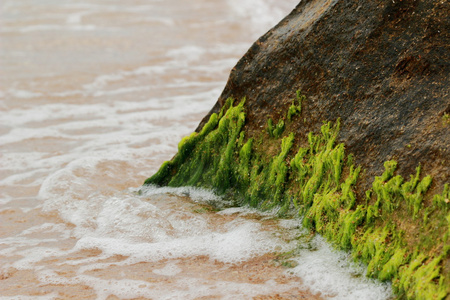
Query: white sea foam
{"type": "Point", "coordinates": [14, 245]}
{"type": "Point", "coordinates": [332, 273]}
{"type": "Point", "coordinates": [187, 54]}
{"type": "Point", "coordinates": [263, 14]}
{"type": "Point", "coordinates": [51, 27]}
{"type": "Point", "coordinates": [50, 296]}
{"type": "Point", "coordinates": [23, 94]}
{"type": "Point", "coordinates": [164, 21]}
{"type": "Point", "coordinates": [48, 228]}
{"type": "Point", "coordinates": [103, 80]}
{"type": "Point", "coordinates": [171, 269]}
{"type": "Point", "coordinates": [194, 193]}
{"type": "Point", "coordinates": [179, 289]}
{"type": "Point", "coordinates": [76, 18]}
{"type": "Point", "coordinates": [130, 118]}
{"type": "Point", "coordinates": [239, 243]}
{"type": "Point", "coordinates": [108, 223]}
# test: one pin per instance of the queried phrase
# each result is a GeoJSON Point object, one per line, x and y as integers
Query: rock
{"type": "Point", "coordinates": [383, 67]}
{"type": "Point", "coordinates": [362, 153]}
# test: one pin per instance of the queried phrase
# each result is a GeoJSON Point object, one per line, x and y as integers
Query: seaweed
{"type": "Point", "coordinates": [277, 131]}
{"type": "Point", "coordinates": [295, 108]}
{"type": "Point", "coordinates": [318, 181]}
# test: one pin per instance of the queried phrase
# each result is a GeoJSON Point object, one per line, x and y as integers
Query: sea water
{"type": "Point", "coordinates": [94, 96]}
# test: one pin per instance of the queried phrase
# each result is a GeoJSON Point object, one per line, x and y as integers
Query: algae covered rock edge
{"type": "Point", "coordinates": [380, 69]}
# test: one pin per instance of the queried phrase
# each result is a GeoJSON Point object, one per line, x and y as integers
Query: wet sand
{"type": "Point", "coordinates": [264, 272]}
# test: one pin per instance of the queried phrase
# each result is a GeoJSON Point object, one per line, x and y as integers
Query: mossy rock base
{"type": "Point", "coordinates": [398, 228]}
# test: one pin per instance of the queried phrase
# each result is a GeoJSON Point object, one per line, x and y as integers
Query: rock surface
{"type": "Point", "coordinates": [377, 73]}
{"type": "Point", "coordinates": [381, 66]}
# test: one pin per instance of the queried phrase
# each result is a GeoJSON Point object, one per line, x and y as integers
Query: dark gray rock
{"type": "Point", "coordinates": [380, 66]}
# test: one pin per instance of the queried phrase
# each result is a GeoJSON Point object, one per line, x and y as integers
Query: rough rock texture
{"type": "Point", "coordinates": [377, 72]}
{"type": "Point", "coordinates": [381, 66]}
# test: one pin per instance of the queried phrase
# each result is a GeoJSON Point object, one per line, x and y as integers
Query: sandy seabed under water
{"type": "Point", "coordinates": [96, 269]}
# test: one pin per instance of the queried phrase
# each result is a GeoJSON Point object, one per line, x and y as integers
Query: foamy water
{"type": "Point", "coordinates": [94, 96]}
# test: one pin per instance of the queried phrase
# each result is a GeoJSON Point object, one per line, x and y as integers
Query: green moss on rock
{"type": "Point", "coordinates": [392, 231]}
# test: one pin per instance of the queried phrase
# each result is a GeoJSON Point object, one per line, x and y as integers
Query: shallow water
{"type": "Point", "coordinates": [94, 96]}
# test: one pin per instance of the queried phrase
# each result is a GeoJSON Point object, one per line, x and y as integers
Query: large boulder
{"type": "Point", "coordinates": [383, 67]}
{"type": "Point", "coordinates": [346, 121]}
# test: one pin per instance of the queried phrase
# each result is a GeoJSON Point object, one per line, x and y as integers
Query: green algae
{"type": "Point", "coordinates": [446, 119]}
{"type": "Point", "coordinates": [277, 130]}
{"type": "Point", "coordinates": [296, 106]}
{"type": "Point", "coordinates": [318, 181]}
